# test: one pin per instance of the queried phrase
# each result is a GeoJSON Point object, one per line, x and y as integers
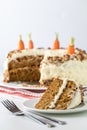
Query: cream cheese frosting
{"type": "Point", "coordinates": [72, 69]}
{"type": "Point", "coordinates": [76, 100]}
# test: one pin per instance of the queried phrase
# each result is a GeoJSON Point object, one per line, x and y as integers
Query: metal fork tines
{"type": "Point", "coordinates": [10, 105]}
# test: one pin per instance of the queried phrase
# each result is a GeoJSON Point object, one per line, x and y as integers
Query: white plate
{"type": "Point", "coordinates": [21, 85]}
{"type": "Point", "coordinates": [29, 105]}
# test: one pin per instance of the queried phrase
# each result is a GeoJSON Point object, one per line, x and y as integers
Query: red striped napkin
{"type": "Point", "coordinates": [26, 93]}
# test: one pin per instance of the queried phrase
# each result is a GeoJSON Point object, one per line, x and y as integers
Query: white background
{"type": "Point", "coordinates": [42, 18]}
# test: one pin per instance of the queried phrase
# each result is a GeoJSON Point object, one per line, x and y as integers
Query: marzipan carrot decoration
{"type": "Point", "coordinates": [20, 43]}
{"type": "Point", "coordinates": [30, 42]}
{"type": "Point", "coordinates": [56, 44]}
{"type": "Point", "coordinates": [71, 48]}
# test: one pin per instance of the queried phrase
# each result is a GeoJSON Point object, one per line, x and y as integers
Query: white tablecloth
{"type": "Point", "coordinates": [8, 121]}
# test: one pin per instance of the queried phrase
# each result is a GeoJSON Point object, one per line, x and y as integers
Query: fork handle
{"type": "Point", "coordinates": [61, 122]}
{"type": "Point", "coordinates": [40, 121]}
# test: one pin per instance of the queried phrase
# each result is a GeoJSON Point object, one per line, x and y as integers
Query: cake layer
{"type": "Point", "coordinates": [29, 61]}
{"type": "Point", "coordinates": [30, 74]}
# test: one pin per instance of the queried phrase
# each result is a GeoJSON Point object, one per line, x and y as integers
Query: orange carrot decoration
{"type": "Point", "coordinates": [71, 48]}
{"type": "Point", "coordinates": [30, 42]}
{"type": "Point", "coordinates": [20, 43]}
{"type": "Point", "coordinates": [56, 44]}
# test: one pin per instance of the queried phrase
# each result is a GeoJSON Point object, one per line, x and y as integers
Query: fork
{"type": "Point", "coordinates": [11, 106]}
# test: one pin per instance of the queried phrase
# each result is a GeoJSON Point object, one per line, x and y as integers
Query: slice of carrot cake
{"type": "Point", "coordinates": [61, 94]}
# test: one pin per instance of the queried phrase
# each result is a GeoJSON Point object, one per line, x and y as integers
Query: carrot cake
{"type": "Point", "coordinates": [61, 94]}
{"type": "Point", "coordinates": [42, 65]}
